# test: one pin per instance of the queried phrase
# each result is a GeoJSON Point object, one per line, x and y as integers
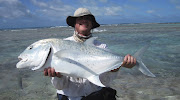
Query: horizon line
{"type": "Point", "coordinates": [37, 27]}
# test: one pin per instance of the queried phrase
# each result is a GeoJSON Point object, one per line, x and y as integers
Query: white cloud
{"type": "Point", "coordinates": [176, 3]}
{"type": "Point", "coordinates": [88, 2]}
{"type": "Point", "coordinates": [12, 9]}
{"type": "Point", "coordinates": [130, 7]}
{"type": "Point", "coordinates": [105, 11]}
{"type": "Point", "coordinates": [104, 1]}
{"type": "Point", "coordinates": [178, 7]}
{"type": "Point", "coordinates": [140, 0]}
{"type": "Point", "coordinates": [154, 13]}
{"type": "Point", "coordinates": [40, 4]}
{"type": "Point", "coordinates": [150, 11]}
{"type": "Point", "coordinates": [113, 10]}
{"type": "Point", "coordinates": [54, 8]}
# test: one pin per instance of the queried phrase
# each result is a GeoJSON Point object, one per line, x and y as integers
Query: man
{"type": "Point", "coordinates": [70, 88]}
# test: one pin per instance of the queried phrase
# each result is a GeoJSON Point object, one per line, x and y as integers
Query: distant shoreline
{"type": "Point", "coordinates": [69, 26]}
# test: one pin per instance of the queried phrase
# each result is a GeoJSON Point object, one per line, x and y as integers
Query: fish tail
{"type": "Point", "coordinates": [141, 66]}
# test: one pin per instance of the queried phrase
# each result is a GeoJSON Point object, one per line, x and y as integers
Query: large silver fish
{"type": "Point", "coordinates": [74, 59]}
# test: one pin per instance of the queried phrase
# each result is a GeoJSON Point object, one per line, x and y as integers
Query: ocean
{"type": "Point", "coordinates": [162, 58]}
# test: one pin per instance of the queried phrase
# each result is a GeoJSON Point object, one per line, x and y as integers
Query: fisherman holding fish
{"type": "Point", "coordinates": [71, 88]}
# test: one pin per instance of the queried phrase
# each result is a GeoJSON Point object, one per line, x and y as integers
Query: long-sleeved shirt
{"type": "Point", "coordinates": [75, 88]}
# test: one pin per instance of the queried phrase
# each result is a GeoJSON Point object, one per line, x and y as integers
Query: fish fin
{"type": "Point", "coordinates": [95, 80]}
{"type": "Point", "coordinates": [90, 41]}
{"type": "Point", "coordinates": [141, 66]}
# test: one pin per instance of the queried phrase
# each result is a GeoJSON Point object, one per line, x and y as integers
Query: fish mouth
{"type": "Point", "coordinates": [19, 58]}
{"type": "Point", "coordinates": [22, 60]}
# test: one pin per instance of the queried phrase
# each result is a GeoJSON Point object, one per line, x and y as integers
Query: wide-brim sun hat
{"type": "Point", "coordinates": [79, 13]}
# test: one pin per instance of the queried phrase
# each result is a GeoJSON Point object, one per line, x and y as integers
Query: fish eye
{"type": "Point", "coordinates": [30, 47]}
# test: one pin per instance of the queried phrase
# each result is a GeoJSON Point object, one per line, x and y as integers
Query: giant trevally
{"type": "Point", "coordinates": [83, 60]}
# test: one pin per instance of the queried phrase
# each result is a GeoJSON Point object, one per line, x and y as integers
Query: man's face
{"type": "Point", "coordinates": [83, 25]}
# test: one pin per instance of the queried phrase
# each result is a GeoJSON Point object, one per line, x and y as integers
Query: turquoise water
{"type": "Point", "coordinates": [162, 58]}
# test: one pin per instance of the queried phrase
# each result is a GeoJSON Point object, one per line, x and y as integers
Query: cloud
{"type": "Point", "coordinates": [176, 3]}
{"type": "Point", "coordinates": [91, 2]}
{"type": "Point", "coordinates": [113, 10]}
{"type": "Point", "coordinates": [154, 13]}
{"type": "Point", "coordinates": [150, 11]}
{"type": "Point", "coordinates": [54, 8]}
{"type": "Point", "coordinates": [39, 4]}
{"type": "Point", "coordinates": [104, 1]}
{"type": "Point", "coordinates": [140, 0]}
{"type": "Point", "coordinates": [178, 7]}
{"type": "Point", "coordinates": [105, 11]}
{"type": "Point", "coordinates": [13, 9]}
{"type": "Point", "coordinates": [130, 7]}
{"type": "Point", "coordinates": [57, 8]}
{"type": "Point", "coordinates": [88, 2]}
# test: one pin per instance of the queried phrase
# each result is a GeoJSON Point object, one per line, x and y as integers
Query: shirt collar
{"type": "Point", "coordinates": [80, 38]}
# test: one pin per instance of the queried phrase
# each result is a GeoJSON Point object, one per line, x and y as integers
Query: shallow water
{"type": "Point", "coordinates": [162, 58]}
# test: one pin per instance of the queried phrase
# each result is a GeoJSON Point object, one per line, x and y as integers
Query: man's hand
{"type": "Point", "coordinates": [129, 61]}
{"type": "Point", "coordinates": [51, 72]}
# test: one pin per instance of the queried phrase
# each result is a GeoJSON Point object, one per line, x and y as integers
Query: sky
{"type": "Point", "coordinates": [46, 13]}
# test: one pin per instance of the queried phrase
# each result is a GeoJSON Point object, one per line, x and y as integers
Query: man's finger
{"type": "Point", "coordinates": [129, 60]}
{"type": "Point", "coordinates": [45, 72]}
{"type": "Point", "coordinates": [125, 58]}
{"type": "Point", "coordinates": [134, 61]}
{"type": "Point", "coordinates": [125, 61]}
{"type": "Point", "coordinates": [52, 72]}
{"type": "Point", "coordinates": [49, 72]}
